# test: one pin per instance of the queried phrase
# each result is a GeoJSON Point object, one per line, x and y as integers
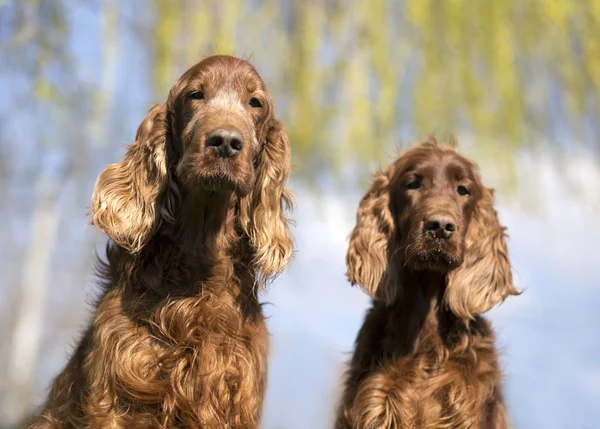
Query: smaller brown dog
{"type": "Point", "coordinates": [429, 249]}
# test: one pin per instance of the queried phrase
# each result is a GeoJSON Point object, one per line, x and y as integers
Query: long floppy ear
{"type": "Point", "coordinates": [125, 202]}
{"type": "Point", "coordinates": [484, 279]}
{"type": "Point", "coordinates": [266, 223]}
{"type": "Point", "coordinates": [368, 253]}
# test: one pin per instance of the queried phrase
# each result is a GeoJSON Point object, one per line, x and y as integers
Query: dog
{"type": "Point", "coordinates": [196, 214]}
{"type": "Point", "coordinates": [430, 251]}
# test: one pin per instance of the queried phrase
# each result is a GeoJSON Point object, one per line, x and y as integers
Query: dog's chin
{"type": "Point", "coordinates": [224, 183]}
{"type": "Point", "coordinates": [438, 257]}
{"type": "Point", "coordinates": [219, 182]}
{"type": "Point", "coordinates": [201, 171]}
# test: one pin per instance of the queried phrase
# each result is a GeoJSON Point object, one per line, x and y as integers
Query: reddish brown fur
{"type": "Point", "coordinates": [178, 338]}
{"type": "Point", "coordinates": [424, 356]}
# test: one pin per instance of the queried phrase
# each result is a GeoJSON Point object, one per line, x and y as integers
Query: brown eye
{"type": "Point", "coordinates": [462, 190]}
{"type": "Point", "coordinates": [414, 184]}
{"type": "Point", "coordinates": [196, 95]}
{"type": "Point", "coordinates": [255, 102]}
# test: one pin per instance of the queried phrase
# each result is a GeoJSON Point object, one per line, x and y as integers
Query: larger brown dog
{"type": "Point", "coordinates": [195, 213]}
{"type": "Point", "coordinates": [429, 248]}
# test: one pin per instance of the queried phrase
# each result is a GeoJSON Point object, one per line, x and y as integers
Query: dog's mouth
{"type": "Point", "coordinates": [222, 181]}
{"type": "Point", "coordinates": [219, 183]}
{"type": "Point", "coordinates": [433, 254]}
{"type": "Point", "coordinates": [209, 173]}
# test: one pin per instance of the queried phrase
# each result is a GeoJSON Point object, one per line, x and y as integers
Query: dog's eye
{"type": "Point", "coordinates": [196, 95]}
{"type": "Point", "coordinates": [462, 190]}
{"type": "Point", "coordinates": [255, 102]}
{"type": "Point", "coordinates": [415, 184]}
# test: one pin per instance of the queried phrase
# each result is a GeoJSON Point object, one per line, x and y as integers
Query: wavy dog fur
{"type": "Point", "coordinates": [178, 339]}
{"type": "Point", "coordinates": [424, 357]}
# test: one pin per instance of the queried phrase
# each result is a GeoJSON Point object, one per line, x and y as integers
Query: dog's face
{"type": "Point", "coordinates": [220, 106]}
{"type": "Point", "coordinates": [215, 133]}
{"type": "Point", "coordinates": [429, 211]}
{"type": "Point", "coordinates": [433, 195]}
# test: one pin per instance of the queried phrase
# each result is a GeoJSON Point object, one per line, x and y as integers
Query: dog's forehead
{"type": "Point", "coordinates": [224, 72]}
{"type": "Point", "coordinates": [431, 159]}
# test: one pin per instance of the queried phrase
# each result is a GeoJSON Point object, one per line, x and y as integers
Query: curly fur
{"type": "Point", "coordinates": [424, 357]}
{"type": "Point", "coordinates": [178, 338]}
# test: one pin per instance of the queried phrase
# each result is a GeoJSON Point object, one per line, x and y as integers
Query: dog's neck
{"type": "Point", "coordinates": [206, 226]}
{"type": "Point", "coordinates": [419, 313]}
{"type": "Point", "coordinates": [203, 250]}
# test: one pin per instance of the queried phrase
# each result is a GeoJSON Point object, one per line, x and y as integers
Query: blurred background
{"type": "Point", "coordinates": [518, 81]}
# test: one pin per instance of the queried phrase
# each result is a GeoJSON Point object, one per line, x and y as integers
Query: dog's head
{"type": "Point", "coordinates": [221, 114]}
{"type": "Point", "coordinates": [216, 134]}
{"type": "Point", "coordinates": [430, 212]}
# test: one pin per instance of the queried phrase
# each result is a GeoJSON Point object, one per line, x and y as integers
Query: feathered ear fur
{"type": "Point", "coordinates": [264, 211]}
{"type": "Point", "coordinates": [484, 279]}
{"type": "Point", "coordinates": [368, 253]}
{"type": "Point", "coordinates": [126, 198]}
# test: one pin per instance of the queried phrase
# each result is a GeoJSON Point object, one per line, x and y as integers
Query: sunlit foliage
{"type": "Point", "coordinates": [355, 79]}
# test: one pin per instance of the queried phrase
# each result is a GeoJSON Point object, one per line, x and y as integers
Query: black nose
{"type": "Point", "coordinates": [440, 225]}
{"type": "Point", "coordinates": [225, 142]}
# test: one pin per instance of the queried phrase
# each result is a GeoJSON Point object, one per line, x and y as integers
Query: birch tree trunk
{"type": "Point", "coordinates": [27, 333]}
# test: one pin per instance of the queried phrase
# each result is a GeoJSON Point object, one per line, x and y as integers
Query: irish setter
{"type": "Point", "coordinates": [428, 247]}
{"type": "Point", "coordinates": [195, 212]}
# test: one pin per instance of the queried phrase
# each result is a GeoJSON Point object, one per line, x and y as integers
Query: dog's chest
{"type": "Point", "coordinates": [195, 362]}
{"type": "Point", "coordinates": [429, 385]}
{"type": "Point", "coordinates": [437, 385]}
